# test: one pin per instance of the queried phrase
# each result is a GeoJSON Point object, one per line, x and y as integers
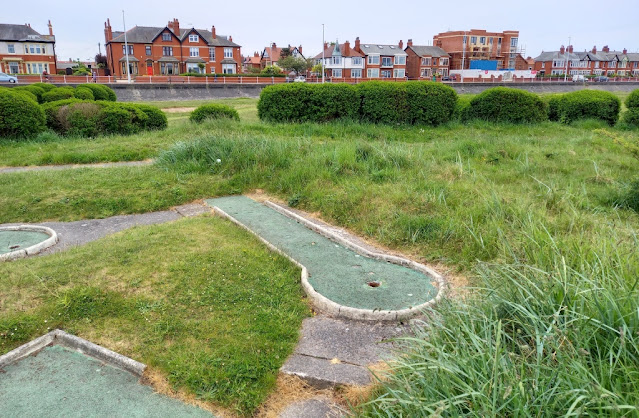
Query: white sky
{"type": "Point", "coordinates": [79, 26]}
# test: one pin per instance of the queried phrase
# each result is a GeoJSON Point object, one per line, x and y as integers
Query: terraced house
{"type": "Point", "coordinates": [383, 61]}
{"type": "Point", "coordinates": [593, 62]}
{"type": "Point", "coordinates": [272, 54]}
{"type": "Point", "coordinates": [342, 61]}
{"type": "Point", "coordinates": [25, 51]}
{"type": "Point", "coordinates": [426, 61]}
{"type": "Point", "coordinates": [170, 50]}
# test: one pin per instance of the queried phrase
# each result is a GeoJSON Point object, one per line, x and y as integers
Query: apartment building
{"type": "Point", "coordinates": [170, 50]}
{"type": "Point", "coordinates": [425, 61]}
{"type": "Point", "coordinates": [272, 54]}
{"type": "Point", "coordinates": [23, 50]}
{"type": "Point", "coordinates": [342, 61]}
{"type": "Point", "coordinates": [593, 62]}
{"type": "Point", "coordinates": [464, 47]}
{"type": "Point", "coordinates": [383, 61]}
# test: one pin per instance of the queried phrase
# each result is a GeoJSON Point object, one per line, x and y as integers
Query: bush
{"type": "Point", "coordinates": [383, 102]}
{"type": "Point", "coordinates": [332, 101]}
{"type": "Point", "coordinates": [501, 104]}
{"type": "Point", "coordinates": [20, 116]}
{"type": "Point", "coordinates": [100, 91]}
{"type": "Point", "coordinates": [80, 119]}
{"type": "Point", "coordinates": [83, 93]}
{"type": "Point", "coordinates": [586, 104]}
{"type": "Point", "coordinates": [430, 103]}
{"type": "Point", "coordinates": [631, 117]}
{"type": "Point", "coordinates": [59, 93]}
{"type": "Point", "coordinates": [35, 90]}
{"type": "Point", "coordinates": [51, 112]}
{"type": "Point", "coordinates": [25, 93]}
{"type": "Point", "coordinates": [122, 118]}
{"type": "Point", "coordinates": [461, 107]}
{"type": "Point", "coordinates": [213, 111]}
{"type": "Point", "coordinates": [632, 102]}
{"type": "Point", "coordinates": [156, 117]}
{"type": "Point", "coordinates": [45, 86]}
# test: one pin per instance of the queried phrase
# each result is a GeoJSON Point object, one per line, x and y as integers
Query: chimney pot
{"type": "Point", "coordinates": [562, 50]}
{"type": "Point", "coordinates": [570, 49]}
{"type": "Point", "coordinates": [230, 38]}
{"type": "Point", "coordinates": [606, 49]}
{"type": "Point", "coordinates": [299, 48]}
{"type": "Point", "coordinates": [401, 44]}
{"type": "Point", "coordinates": [625, 51]}
{"type": "Point", "coordinates": [357, 48]}
{"type": "Point", "coordinates": [409, 42]}
{"type": "Point", "coordinates": [213, 31]}
{"type": "Point", "coordinates": [347, 49]}
{"type": "Point", "coordinates": [594, 49]}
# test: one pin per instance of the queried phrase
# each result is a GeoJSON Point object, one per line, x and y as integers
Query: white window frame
{"type": "Point", "coordinates": [148, 50]}
{"type": "Point", "coordinates": [11, 48]}
{"type": "Point", "coordinates": [356, 73]}
{"type": "Point", "coordinates": [385, 74]}
{"type": "Point", "coordinates": [443, 61]}
{"type": "Point", "coordinates": [426, 61]}
{"type": "Point", "coordinates": [212, 54]}
{"type": "Point", "coordinates": [372, 72]}
{"type": "Point", "coordinates": [194, 38]}
{"type": "Point", "coordinates": [336, 60]}
{"type": "Point", "coordinates": [228, 53]}
{"type": "Point", "coordinates": [228, 68]}
{"type": "Point", "coordinates": [193, 68]}
{"type": "Point", "coordinates": [337, 72]}
{"type": "Point", "coordinates": [166, 37]}
{"type": "Point", "coordinates": [400, 59]}
{"type": "Point", "coordinates": [194, 51]}
{"type": "Point", "coordinates": [399, 73]}
{"type": "Point", "coordinates": [513, 42]}
{"type": "Point", "coordinates": [357, 61]}
{"type": "Point", "coordinates": [387, 62]}
{"type": "Point", "coordinates": [425, 72]}
{"type": "Point", "coordinates": [373, 59]}
{"type": "Point", "coordinates": [473, 39]}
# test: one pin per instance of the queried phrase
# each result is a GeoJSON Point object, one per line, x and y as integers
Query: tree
{"type": "Point", "coordinates": [297, 64]}
{"type": "Point", "coordinates": [201, 66]}
{"type": "Point", "coordinates": [317, 69]}
{"type": "Point", "coordinates": [101, 60]}
{"type": "Point", "coordinates": [271, 70]}
{"type": "Point", "coordinates": [285, 52]}
{"type": "Point", "coordinates": [80, 69]}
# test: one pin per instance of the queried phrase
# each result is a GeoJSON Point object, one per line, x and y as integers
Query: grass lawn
{"type": "Point", "coordinates": [198, 300]}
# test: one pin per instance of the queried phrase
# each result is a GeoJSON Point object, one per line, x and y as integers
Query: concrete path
{"type": "Point", "coordinates": [7, 170]}
{"type": "Point", "coordinates": [59, 382]}
{"type": "Point", "coordinates": [319, 407]}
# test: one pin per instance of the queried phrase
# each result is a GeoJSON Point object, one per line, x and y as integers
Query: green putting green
{"type": "Point", "coordinates": [336, 272]}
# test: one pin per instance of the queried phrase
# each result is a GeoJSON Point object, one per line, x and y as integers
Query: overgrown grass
{"type": "Point", "coordinates": [202, 302]}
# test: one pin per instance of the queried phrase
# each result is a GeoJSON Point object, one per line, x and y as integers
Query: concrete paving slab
{"type": "Point", "coordinates": [58, 382]}
{"type": "Point", "coordinates": [319, 407]}
{"type": "Point", "coordinates": [192, 209]}
{"type": "Point", "coordinates": [324, 374]}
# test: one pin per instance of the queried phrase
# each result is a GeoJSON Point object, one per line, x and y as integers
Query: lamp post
{"type": "Point", "coordinates": [566, 55]}
{"type": "Point", "coordinates": [126, 51]}
{"type": "Point", "coordinates": [323, 52]}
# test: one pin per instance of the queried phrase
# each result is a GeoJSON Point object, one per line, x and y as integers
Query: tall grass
{"type": "Point", "coordinates": [557, 337]}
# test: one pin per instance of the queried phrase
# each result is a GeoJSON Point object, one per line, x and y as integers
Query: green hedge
{"type": "Point", "coordinates": [100, 91]}
{"type": "Point", "coordinates": [501, 104]}
{"type": "Point", "coordinates": [59, 93]}
{"type": "Point", "coordinates": [631, 117]}
{"type": "Point", "coordinates": [585, 104]}
{"type": "Point", "coordinates": [83, 93]}
{"type": "Point", "coordinates": [20, 116]}
{"type": "Point", "coordinates": [373, 101]}
{"type": "Point", "coordinates": [33, 89]}
{"type": "Point", "coordinates": [156, 118]}
{"type": "Point", "coordinates": [45, 86]}
{"type": "Point", "coordinates": [213, 111]}
{"type": "Point", "coordinates": [632, 101]}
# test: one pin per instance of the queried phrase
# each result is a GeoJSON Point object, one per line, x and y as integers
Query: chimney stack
{"type": "Point", "coordinates": [357, 48]}
{"type": "Point", "coordinates": [325, 46]}
{"type": "Point", "coordinates": [256, 54]}
{"type": "Point", "coordinates": [625, 51]}
{"type": "Point", "coordinates": [570, 49]}
{"type": "Point", "coordinates": [230, 38]}
{"type": "Point", "coordinates": [347, 49]}
{"type": "Point", "coordinates": [50, 28]}
{"type": "Point", "coordinates": [273, 45]}
{"type": "Point", "coordinates": [213, 31]}
{"type": "Point", "coordinates": [605, 48]}
{"type": "Point", "coordinates": [409, 42]}
{"type": "Point", "coordinates": [299, 48]}
{"type": "Point", "coordinates": [562, 50]}
{"type": "Point", "coordinates": [108, 33]}
{"type": "Point", "coordinates": [594, 49]}
{"type": "Point", "coordinates": [401, 44]}
{"type": "Point", "coordinates": [176, 27]}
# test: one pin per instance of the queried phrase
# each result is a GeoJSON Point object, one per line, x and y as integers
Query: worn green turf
{"type": "Point", "coordinates": [65, 383]}
{"type": "Point", "coordinates": [335, 272]}
{"type": "Point", "coordinates": [19, 240]}
{"type": "Point", "coordinates": [199, 301]}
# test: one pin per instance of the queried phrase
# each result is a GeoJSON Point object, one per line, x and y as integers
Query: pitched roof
{"type": "Point", "coordinates": [275, 53]}
{"type": "Point", "coordinates": [552, 55]}
{"type": "Point", "coordinates": [428, 51]}
{"type": "Point", "coordinates": [381, 49]}
{"type": "Point", "coordinates": [146, 35]}
{"type": "Point", "coordinates": [328, 52]}
{"type": "Point", "coordinates": [9, 32]}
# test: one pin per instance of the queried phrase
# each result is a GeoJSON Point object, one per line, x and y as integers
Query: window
{"type": "Point", "coordinates": [166, 36]}
{"type": "Point", "coordinates": [32, 49]}
{"type": "Point", "coordinates": [612, 64]}
{"type": "Point", "coordinates": [194, 38]}
{"type": "Point", "coordinates": [167, 51]}
{"type": "Point", "coordinates": [228, 68]}
{"type": "Point", "coordinates": [473, 39]}
{"type": "Point", "coordinates": [482, 40]}
{"type": "Point", "coordinates": [336, 60]}
{"type": "Point", "coordinates": [228, 53]}
{"type": "Point", "coordinates": [124, 49]}
{"type": "Point", "coordinates": [434, 61]}
{"type": "Point", "coordinates": [425, 72]}
{"type": "Point", "coordinates": [194, 52]}
{"type": "Point", "coordinates": [386, 73]}
{"type": "Point", "coordinates": [373, 72]}
{"type": "Point", "coordinates": [444, 71]}
{"type": "Point", "coordinates": [373, 59]}
{"type": "Point", "coordinates": [357, 61]}
{"type": "Point", "coordinates": [167, 68]}
{"type": "Point", "coordinates": [13, 68]}
{"type": "Point", "coordinates": [498, 41]}
{"type": "Point", "coordinates": [337, 73]}
{"type": "Point", "coordinates": [558, 63]}
{"type": "Point", "coordinates": [425, 61]}
{"type": "Point", "coordinates": [513, 42]}
{"type": "Point", "coordinates": [465, 39]}
{"type": "Point", "coordinates": [387, 62]}
{"type": "Point", "coordinates": [400, 59]}
{"type": "Point", "coordinates": [133, 68]}
{"type": "Point", "coordinates": [212, 54]}
{"type": "Point", "coordinates": [400, 73]}
{"type": "Point", "coordinates": [193, 68]}
{"type": "Point", "coordinates": [443, 61]}
{"type": "Point", "coordinates": [11, 48]}
{"type": "Point", "coordinates": [148, 50]}
{"type": "Point", "coordinates": [356, 73]}
{"type": "Point", "coordinates": [490, 41]}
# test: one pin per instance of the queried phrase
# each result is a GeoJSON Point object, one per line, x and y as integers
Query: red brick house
{"type": "Point", "coordinates": [170, 50]}
{"type": "Point", "coordinates": [252, 64]}
{"type": "Point", "coordinates": [383, 61]}
{"type": "Point", "coordinates": [425, 61]}
{"type": "Point", "coordinates": [272, 54]}
{"type": "Point", "coordinates": [342, 61]}
{"type": "Point", "coordinates": [25, 51]}
{"type": "Point", "coordinates": [593, 62]}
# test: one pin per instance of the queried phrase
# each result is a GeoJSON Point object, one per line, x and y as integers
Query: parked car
{"type": "Point", "coordinates": [299, 79]}
{"type": "Point", "coordinates": [579, 77]}
{"type": "Point", "coordinates": [6, 78]}
{"type": "Point", "coordinates": [600, 78]}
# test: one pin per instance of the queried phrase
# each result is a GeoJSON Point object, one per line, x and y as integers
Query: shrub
{"type": "Point", "coordinates": [430, 103]}
{"type": "Point", "coordinates": [32, 88]}
{"type": "Point", "coordinates": [384, 102]}
{"type": "Point", "coordinates": [501, 104]}
{"type": "Point", "coordinates": [461, 107]}
{"type": "Point", "coordinates": [632, 102]}
{"type": "Point", "coordinates": [332, 101]}
{"type": "Point", "coordinates": [80, 119]}
{"type": "Point", "coordinates": [20, 116]}
{"type": "Point", "coordinates": [587, 104]}
{"type": "Point", "coordinates": [25, 93]}
{"type": "Point", "coordinates": [213, 111]}
{"type": "Point", "coordinates": [51, 112]}
{"type": "Point", "coordinates": [45, 86]}
{"type": "Point", "coordinates": [284, 103]}
{"type": "Point", "coordinates": [156, 117]}
{"type": "Point", "coordinates": [83, 93]}
{"type": "Point", "coordinates": [100, 91]}
{"type": "Point", "coordinates": [59, 93]}
{"type": "Point", "coordinates": [631, 117]}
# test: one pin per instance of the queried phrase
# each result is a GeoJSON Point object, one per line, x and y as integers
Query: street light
{"type": "Point", "coordinates": [126, 51]}
{"type": "Point", "coordinates": [323, 58]}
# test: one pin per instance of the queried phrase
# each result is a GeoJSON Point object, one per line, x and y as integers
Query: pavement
{"type": "Point", "coordinates": [59, 382]}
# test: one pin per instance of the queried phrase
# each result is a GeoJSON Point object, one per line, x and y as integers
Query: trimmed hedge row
{"type": "Point", "coordinates": [631, 117]}
{"type": "Point", "coordinates": [20, 114]}
{"type": "Point", "coordinates": [584, 104]}
{"type": "Point", "coordinates": [415, 102]}
{"type": "Point", "coordinates": [213, 111]}
{"type": "Point", "coordinates": [501, 104]}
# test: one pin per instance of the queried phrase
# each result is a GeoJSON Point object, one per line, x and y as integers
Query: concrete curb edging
{"type": "Point", "coordinates": [59, 337]}
{"type": "Point", "coordinates": [330, 307]}
{"type": "Point", "coordinates": [34, 249]}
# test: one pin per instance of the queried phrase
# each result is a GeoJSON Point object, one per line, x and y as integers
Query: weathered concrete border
{"type": "Point", "coordinates": [321, 302]}
{"type": "Point", "coordinates": [59, 337]}
{"type": "Point", "coordinates": [34, 249]}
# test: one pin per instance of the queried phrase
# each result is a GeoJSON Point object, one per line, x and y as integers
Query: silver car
{"type": "Point", "coordinates": [6, 78]}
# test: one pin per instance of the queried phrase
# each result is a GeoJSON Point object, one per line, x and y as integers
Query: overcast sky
{"type": "Point", "coordinates": [79, 26]}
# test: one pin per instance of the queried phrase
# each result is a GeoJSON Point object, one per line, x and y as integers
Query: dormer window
{"type": "Point", "coordinates": [166, 36]}
{"type": "Point", "coordinates": [194, 38]}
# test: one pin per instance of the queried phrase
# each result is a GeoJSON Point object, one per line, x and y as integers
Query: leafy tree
{"type": "Point", "coordinates": [271, 70]}
{"type": "Point", "coordinates": [101, 60]}
{"type": "Point", "coordinates": [285, 52]}
{"type": "Point", "coordinates": [297, 64]}
{"type": "Point", "coordinates": [80, 69]}
{"type": "Point", "coordinates": [317, 69]}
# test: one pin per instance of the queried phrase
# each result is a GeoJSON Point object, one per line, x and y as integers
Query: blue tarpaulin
{"type": "Point", "coordinates": [483, 65]}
